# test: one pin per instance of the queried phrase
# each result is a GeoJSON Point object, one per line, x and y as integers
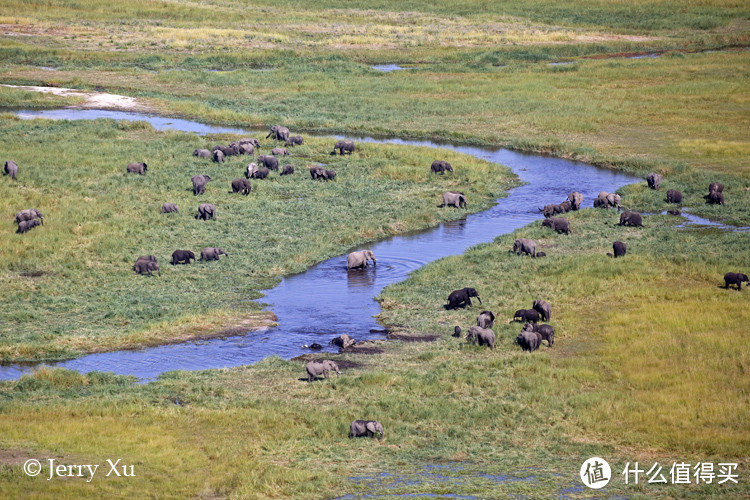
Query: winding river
{"type": "Point", "coordinates": [350, 294]}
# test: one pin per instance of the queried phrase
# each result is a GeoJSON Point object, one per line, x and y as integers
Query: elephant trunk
{"type": "Point", "coordinates": [374, 262]}
{"type": "Point", "coordinates": [480, 300]}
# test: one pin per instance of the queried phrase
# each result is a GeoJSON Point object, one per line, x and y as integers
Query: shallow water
{"type": "Point", "coordinates": [326, 300]}
{"type": "Point", "coordinates": [387, 68]}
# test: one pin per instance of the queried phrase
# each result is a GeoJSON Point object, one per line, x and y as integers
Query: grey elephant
{"type": "Point", "coordinates": [454, 198]}
{"type": "Point", "coordinates": [206, 211]}
{"type": "Point", "coordinates": [295, 140]}
{"type": "Point", "coordinates": [182, 257]}
{"type": "Point", "coordinates": [317, 172]}
{"type": "Point", "coordinates": [27, 225]}
{"type": "Point", "coordinates": [29, 214]}
{"type": "Point", "coordinates": [328, 175]}
{"type": "Point", "coordinates": [526, 316]}
{"type": "Point", "coordinates": [231, 150]}
{"type": "Point", "coordinates": [218, 156]}
{"type": "Point", "coordinates": [457, 331]}
{"type": "Point", "coordinates": [359, 259]}
{"type": "Point", "coordinates": [715, 198]}
{"type": "Point", "coordinates": [440, 166]}
{"type": "Point", "coordinates": [524, 245]}
{"type": "Point", "coordinates": [261, 173]}
{"type": "Point", "coordinates": [365, 428]}
{"type": "Point", "coordinates": [674, 196]}
{"type": "Point", "coordinates": [279, 133]}
{"type": "Point", "coordinates": [481, 336]}
{"type": "Point", "coordinates": [268, 161]}
{"type": "Point", "coordinates": [317, 368]}
{"type": "Point", "coordinates": [202, 153]}
{"type": "Point", "coordinates": [344, 146]}
{"type": "Point", "coordinates": [575, 199]}
{"type": "Point", "coordinates": [529, 341]}
{"type": "Point", "coordinates": [344, 341]}
{"type": "Point", "coordinates": [240, 185]}
{"type": "Point", "coordinates": [654, 180]}
{"type": "Point", "coordinates": [280, 152]}
{"type": "Point", "coordinates": [543, 308]}
{"type": "Point", "coordinates": [11, 169]}
{"type": "Point", "coordinates": [619, 248]}
{"type": "Point", "coordinates": [607, 200]}
{"type": "Point", "coordinates": [716, 186]}
{"type": "Point", "coordinates": [551, 209]}
{"type": "Point", "coordinates": [614, 200]}
{"type": "Point", "coordinates": [199, 183]}
{"type": "Point", "coordinates": [146, 264]}
{"type": "Point", "coordinates": [558, 224]}
{"type": "Point", "coordinates": [250, 140]}
{"type": "Point", "coordinates": [631, 219]}
{"type": "Point", "coordinates": [735, 279]}
{"type": "Point", "coordinates": [546, 332]}
{"type": "Point", "coordinates": [250, 170]}
{"type": "Point", "coordinates": [137, 168]}
{"type": "Point", "coordinates": [169, 208]}
{"type": "Point", "coordinates": [287, 170]}
{"type": "Point", "coordinates": [462, 298]}
{"type": "Point", "coordinates": [486, 319]}
{"type": "Point", "coordinates": [247, 149]}
{"type": "Point", "coordinates": [212, 253]}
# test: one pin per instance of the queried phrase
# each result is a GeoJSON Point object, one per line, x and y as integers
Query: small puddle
{"type": "Point", "coordinates": [692, 220]}
{"type": "Point", "coordinates": [561, 63]}
{"type": "Point", "coordinates": [387, 68]}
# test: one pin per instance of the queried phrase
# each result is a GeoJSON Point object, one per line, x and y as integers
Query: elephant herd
{"type": "Point", "coordinates": [715, 194]}
{"type": "Point", "coordinates": [147, 264]}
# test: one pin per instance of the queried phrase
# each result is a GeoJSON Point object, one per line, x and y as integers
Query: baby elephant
{"type": "Point", "coordinates": [674, 196]}
{"type": "Point", "coordinates": [202, 153]}
{"type": "Point", "coordinates": [440, 166]}
{"type": "Point", "coordinates": [27, 225]}
{"type": "Point", "coordinates": [365, 428]}
{"type": "Point", "coordinates": [29, 214]}
{"type": "Point", "coordinates": [481, 336]}
{"type": "Point", "coordinates": [168, 208]}
{"type": "Point", "coordinates": [529, 341]}
{"type": "Point", "coordinates": [146, 264]}
{"type": "Point", "coordinates": [735, 279]}
{"type": "Point", "coordinates": [11, 169]}
{"type": "Point", "coordinates": [137, 168]}
{"type": "Point", "coordinates": [631, 219]}
{"type": "Point", "coordinates": [558, 224]}
{"type": "Point", "coordinates": [295, 140]}
{"type": "Point", "coordinates": [182, 257]}
{"type": "Point", "coordinates": [287, 170]}
{"type": "Point", "coordinates": [240, 185]}
{"type": "Point", "coordinates": [261, 173]}
{"type": "Point", "coordinates": [280, 152]}
{"type": "Point", "coordinates": [199, 183]}
{"type": "Point", "coordinates": [486, 319]}
{"type": "Point", "coordinates": [461, 298]}
{"type": "Point", "coordinates": [546, 331]}
{"type": "Point", "coordinates": [619, 248]}
{"type": "Point", "coordinates": [526, 316]}
{"type": "Point", "coordinates": [206, 211]}
{"type": "Point", "coordinates": [321, 367]}
{"type": "Point", "coordinates": [212, 253]}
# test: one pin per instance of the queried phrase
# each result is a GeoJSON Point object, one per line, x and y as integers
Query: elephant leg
{"type": "Point", "coordinates": [468, 301]}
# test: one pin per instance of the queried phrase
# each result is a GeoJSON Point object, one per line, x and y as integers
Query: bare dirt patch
{"type": "Point", "coordinates": [93, 100]}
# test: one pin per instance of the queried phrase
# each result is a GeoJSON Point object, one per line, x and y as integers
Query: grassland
{"type": "Point", "coordinates": [649, 362]}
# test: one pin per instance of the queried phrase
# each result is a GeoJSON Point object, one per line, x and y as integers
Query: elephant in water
{"type": "Point", "coordinates": [321, 367]}
{"type": "Point", "coordinates": [481, 336]}
{"type": "Point", "coordinates": [654, 180]}
{"type": "Point", "coordinates": [368, 428]}
{"type": "Point", "coordinates": [524, 245]}
{"type": "Point", "coordinates": [462, 297]}
{"type": "Point", "coordinates": [279, 133]}
{"type": "Point", "coordinates": [11, 169]}
{"type": "Point", "coordinates": [359, 259]}
{"type": "Point", "coordinates": [137, 168]}
{"type": "Point", "coordinates": [454, 198]}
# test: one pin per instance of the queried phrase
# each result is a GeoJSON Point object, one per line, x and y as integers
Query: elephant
{"type": "Point", "coordinates": [607, 200]}
{"type": "Point", "coordinates": [249, 140]}
{"type": "Point", "coordinates": [550, 210]}
{"type": "Point", "coordinates": [359, 259]}
{"type": "Point", "coordinates": [29, 214]}
{"type": "Point", "coordinates": [250, 170]}
{"type": "Point", "coordinates": [529, 341]}
{"type": "Point", "coordinates": [240, 185]}
{"type": "Point", "coordinates": [619, 249]}
{"type": "Point", "coordinates": [614, 200]}
{"type": "Point", "coordinates": [295, 140]}
{"type": "Point", "coordinates": [328, 175]}
{"type": "Point", "coordinates": [199, 183]}
{"type": "Point", "coordinates": [654, 180]}
{"type": "Point", "coordinates": [545, 331]}
{"type": "Point", "coordinates": [218, 157]}
{"type": "Point", "coordinates": [137, 168]}
{"type": "Point", "coordinates": [206, 211]}
{"type": "Point", "coordinates": [543, 308]}
{"type": "Point", "coordinates": [462, 298]}
{"type": "Point", "coordinates": [540, 255]}
{"type": "Point", "coordinates": [674, 196]}
{"type": "Point", "coordinates": [280, 152]}
{"type": "Point", "coordinates": [454, 198]}
{"type": "Point", "coordinates": [268, 161]}
{"type": "Point", "coordinates": [600, 202]}
{"type": "Point", "coordinates": [457, 331]}
{"type": "Point", "coordinates": [146, 264]}
{"type": "Point", "coordinates": [287, 170]}
{"type": "Point", "coordinates": [231, 150]}
{"type": "Point", "coordinates": [558, 224]}
{"type": "Point", "coordinates": [168, 208]}
{"type": "Point", "coordinates": [485, 319]}
{"type": "Point", "coordinates": [212, 253]}
{"type": "Point", "coordinates": [481, 336]}
{"type": "Point", "coordinates": [344, 341]}
{"type": "Point", "coordinates": [261, 173]}
{"type": "Point", "coordinates": [365, 428]}
{"type": "Point", "coordinates": [735, 279]}
{"type": "Point", "coordinates": [27, 225]}
{"type": "Point", "coordinates": [11, 169]}
{"type": "Point", "coordinates": [576, 199]}
{"type": "Point", "coordinates": [345, 146]}
{"type": "Point", "coordinates": [524, 245]}
{"type": "Point", "coordinates": [440, 166]}
{"type": "Point", "coordinates": [279, 133]}
{"type": "Point", "coordinates": [182, 257]}
{"type": "Point", "coordinates": [321, 367]}
{"type": "Point", "coordinates": [716, 186]}
{"type": "Point", "coordinates": [715, 198]}
{"type": "Point", "coordinates": [566, 206]}
{"type": "Point", "coordinates": [247, 149]}
{"type": "Point", "coordinates": [317, 172]}
{"type": "Point", "coordinates": [202, 153]}
{"type": "Point", "coordinates": [631, 219]}
{"type": "Point", "coordinates": [526, 316]}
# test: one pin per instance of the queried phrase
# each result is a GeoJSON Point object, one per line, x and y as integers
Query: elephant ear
{"type": "Point", "coordinates": [372, 427]}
